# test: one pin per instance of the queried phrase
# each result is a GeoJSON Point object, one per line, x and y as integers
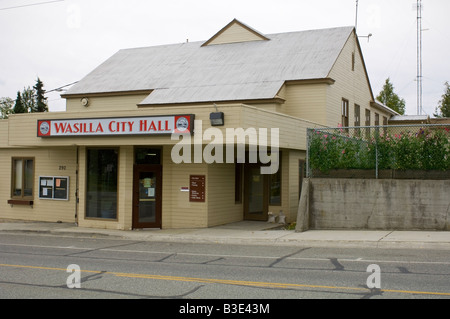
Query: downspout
{"type": "Point", "coordinates": [77, 199]}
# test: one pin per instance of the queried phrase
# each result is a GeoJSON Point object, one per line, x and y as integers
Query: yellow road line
{"type": "Point", "coordinates": [230, 282]}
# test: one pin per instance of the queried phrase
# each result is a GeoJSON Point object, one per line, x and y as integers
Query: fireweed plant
{"type": "Point", "coordinates": [361, 148]}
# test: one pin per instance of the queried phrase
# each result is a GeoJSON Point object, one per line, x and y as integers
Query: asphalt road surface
{"type": "Point", "coordinates": [36, 266]}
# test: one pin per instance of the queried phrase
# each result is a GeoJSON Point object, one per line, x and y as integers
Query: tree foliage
{"type": "Point", "coordinates": [18, 105]}
{"type": "Point", "coordinates": [30, 100]}
{"type": "Point", "coordinates": [443, 109]}
{"type": "Point", "coordinates": [389, 98]}
{"type": "Point", "coordinates": [40, 99]}
{"type": "Point", "coordinates": [6, 107]}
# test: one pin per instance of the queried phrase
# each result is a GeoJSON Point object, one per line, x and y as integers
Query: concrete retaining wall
{"type": "Point", "coordinates": [374, 204]}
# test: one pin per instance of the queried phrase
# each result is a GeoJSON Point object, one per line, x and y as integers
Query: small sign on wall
{"type": "Point", "coordinates": [54, 187]}
{"type": "Point", "coordinates": [197, 188]}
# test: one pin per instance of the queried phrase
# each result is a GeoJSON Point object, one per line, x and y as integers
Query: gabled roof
{"type": "Point", "coordinates": [192, 72]}
{"type": "Point", "coordinates": [247, 33]}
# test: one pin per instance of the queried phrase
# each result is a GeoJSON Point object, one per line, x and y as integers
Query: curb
{"type": "Point", "coordinates": [328, 239]}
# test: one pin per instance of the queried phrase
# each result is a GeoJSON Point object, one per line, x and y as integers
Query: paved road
{"type": "Point", "coordinates": [35, 266]}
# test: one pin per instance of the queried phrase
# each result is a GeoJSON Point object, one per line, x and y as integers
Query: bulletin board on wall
{"type": "Point", "coordinates": [54, 187]}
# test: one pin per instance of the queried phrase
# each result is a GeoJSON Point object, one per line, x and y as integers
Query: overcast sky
{"type": "Point", "coordinates": [62, 41]}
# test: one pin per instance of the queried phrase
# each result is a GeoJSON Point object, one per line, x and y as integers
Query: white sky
{"type": "Point", "coordinates": [63, 41]}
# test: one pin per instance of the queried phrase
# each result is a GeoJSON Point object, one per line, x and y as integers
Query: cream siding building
{"type": "Point", "coordinates": [125, 180]}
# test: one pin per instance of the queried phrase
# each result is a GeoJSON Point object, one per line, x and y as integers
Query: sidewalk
{"type": "Point", "coordinates": [247, 232]}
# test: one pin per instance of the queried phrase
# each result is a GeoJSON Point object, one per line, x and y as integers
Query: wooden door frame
{"type": "Point", "coordinates": [137, 169]}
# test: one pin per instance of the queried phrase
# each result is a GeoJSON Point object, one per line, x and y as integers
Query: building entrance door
{"type": "Point", "coordinates": [256, 203]}
{"type": "Point", "coordinates": [147, 196]}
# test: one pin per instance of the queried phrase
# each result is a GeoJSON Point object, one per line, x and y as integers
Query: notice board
{"type": "Point", "coordinates": [197, 186]}
{"type": "Point", "coordinates": [54, 187]}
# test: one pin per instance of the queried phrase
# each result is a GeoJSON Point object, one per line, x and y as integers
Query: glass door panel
{"type": "Point", "coordinates": [147, 197]}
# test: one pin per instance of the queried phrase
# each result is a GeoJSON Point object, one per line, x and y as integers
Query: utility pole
{"type": "Point", "coordinates": [419, 59]}
{"type": "Point", "coordinates": [356, 21]}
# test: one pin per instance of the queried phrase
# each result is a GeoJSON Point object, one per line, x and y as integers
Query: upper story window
{"type": "Point", "coordinates": [353, 61]}
{"type": "Point", "coordinates": [357, 115]}
{"type": "Point", "coordinates": [367, 123]}
{"type": "Point", "coordinates": [345, 113]}
{"type": "Point", "coordinates": [367, 117]}
{"type": "Point", "coordinates": [377, 119]}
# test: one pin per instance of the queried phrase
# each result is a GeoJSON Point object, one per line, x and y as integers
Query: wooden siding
{"type": "Point", "coordinates": [125, 187]}
{"type": "Point", "coordinates": [221, 195]}
{"type": "Point", "coordinates": [351, 85]}
{"type": "Point", "coordinates": [292, 130]}
{"type": "Point", "coordinates": [47, 162]}
{"type": "Point", "coordinates": [234, 33]}
{"type": "Point", "coordinates": [178, 211]}
{"type": "Point", "coordinates": [105, 103]}
{"type": "Point", "coordinates": [4, 133]}
{"type": "Point", "coordinates": [321, 102]}
{"type": "Point", "coordinates": [306, 101]}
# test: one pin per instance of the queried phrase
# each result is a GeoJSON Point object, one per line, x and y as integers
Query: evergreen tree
{"type": "Point", "coordinates": [389, 98]}
{"type": "Point", "coordinates": [443, 109]}
{"type": "Point", "coordinates": [41, 100]}
{"type": "Point", "coordinates": [18, 106]}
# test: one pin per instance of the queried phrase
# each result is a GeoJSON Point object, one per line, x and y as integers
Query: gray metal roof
{"type": "Point", "coordinates": [190, 72]}
{"type": "Point", "coordinates": [410, 118]}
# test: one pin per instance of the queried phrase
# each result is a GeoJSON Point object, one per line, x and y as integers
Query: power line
{"type": "Point", "coordinates": [60, 88]}
{"type": "Point", "coordinates": [29, 5]}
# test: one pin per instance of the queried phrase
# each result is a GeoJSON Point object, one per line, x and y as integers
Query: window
{"type": "Point", "coordinates": [357, 115]}
{"type": "Point", "coordinates": [275, 189]}
{"type": "Point", "coordinates": [385, 123]}
{"type": "Point", "coordinates": [353, 61]}
{"type": "Point", "coordinates": [101, 197]}
{"type": "Point", "coordinates": [367, 123]}
{"type": "Point", "coordinates": [22, 178]}
{"type": "Point", "coordinates": [357, 123]}
{"type": "Point", "coordinates": [147, 156]}
{"type": "Point", "coordinates": [367, 117]}
{"type": "Point", "coordinates": [377, 119]}
{"type": "Point", "coordinates": [345, 122]}
{"type": "Point", "coordinates": [275, 185]}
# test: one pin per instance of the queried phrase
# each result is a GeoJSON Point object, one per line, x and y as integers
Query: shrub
{"type": "Point", "coordinates": [424, 149]}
